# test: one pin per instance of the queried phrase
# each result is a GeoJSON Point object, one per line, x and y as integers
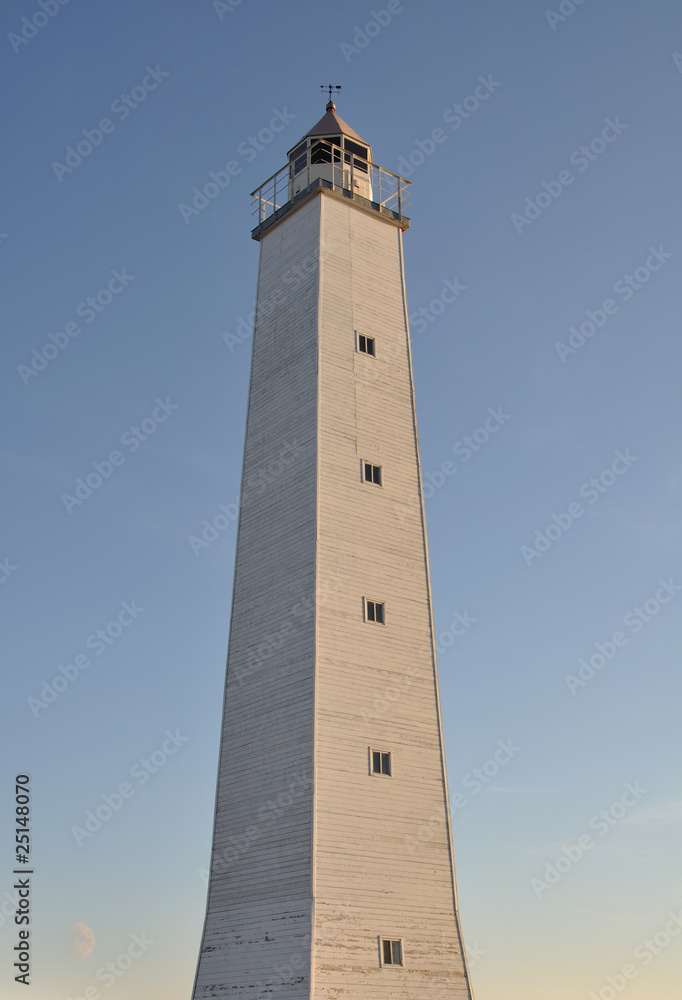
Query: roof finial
{"type": "Point", "coordinates": [330, 104]}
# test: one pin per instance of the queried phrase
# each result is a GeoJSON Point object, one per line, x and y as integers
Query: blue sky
{"type": "Point", "coordinates": [536, 235]}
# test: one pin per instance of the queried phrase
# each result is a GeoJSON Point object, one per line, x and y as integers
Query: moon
{"type": "Point", "coordinates": [83, 940]}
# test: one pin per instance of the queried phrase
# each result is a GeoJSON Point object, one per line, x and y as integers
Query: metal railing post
{"type": "Point", "coordinates": [391, 187]}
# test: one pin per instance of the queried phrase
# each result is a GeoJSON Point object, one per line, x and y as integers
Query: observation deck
{"type": "Point", "coordinates": [319, 164]}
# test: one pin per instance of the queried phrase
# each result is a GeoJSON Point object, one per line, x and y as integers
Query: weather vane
{"type": "Point", "coordinates": [330, 88]}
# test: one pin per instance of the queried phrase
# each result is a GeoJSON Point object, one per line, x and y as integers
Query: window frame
{"type": "Point", "coordinates": [391, 942]}
{"type": "Point", "coordinates": [382, 754]}
{"type": "Point", "coordinates": [368, 340]}
{"type": "Point", "coordinates": [364, 465]}
{"type": "Point", "coordinates": [366, 601]}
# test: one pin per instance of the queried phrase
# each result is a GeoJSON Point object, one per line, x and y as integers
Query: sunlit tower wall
{"type": "Point", "coordinates": [331, 754]}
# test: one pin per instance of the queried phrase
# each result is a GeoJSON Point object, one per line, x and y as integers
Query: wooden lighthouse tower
{"type": "Point", "coordinates": [332, 750]}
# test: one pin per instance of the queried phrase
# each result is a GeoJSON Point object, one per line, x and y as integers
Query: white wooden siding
{"type": "Point", "coordinates": [257, 933]}
{"type": "Point", "coordinates": [301, 911]}
{"type": "Point", "coordinates": [375, 684]}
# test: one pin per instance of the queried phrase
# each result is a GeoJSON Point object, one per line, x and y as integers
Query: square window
{"type": "Point", "coordinates": [366, 345]}
{"type": "Point", "coordinates": [381, 762]}
{"type": "Point", "coordinates": [372, 473]}
{"type": "Point", "coordinates": [392, 952]}
{"type": "Point", "coordinates": [375, 612]}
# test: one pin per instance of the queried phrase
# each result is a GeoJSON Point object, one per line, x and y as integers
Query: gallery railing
{"type": "Point", "coordinates": [323, 164]}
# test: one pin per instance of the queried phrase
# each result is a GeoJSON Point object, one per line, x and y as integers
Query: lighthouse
{"type": "Point", "coordinates": [323, 882]}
